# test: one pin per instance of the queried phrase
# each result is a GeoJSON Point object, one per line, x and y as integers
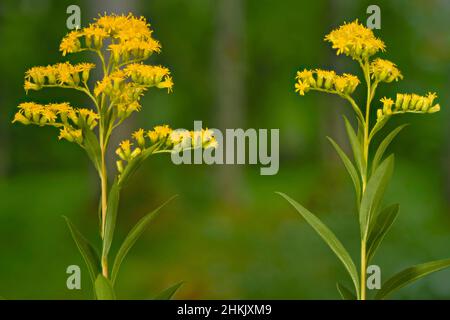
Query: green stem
{"type": "Point", "coordinates": [363, 269]}
{"type": "Point", "coordinates": [366, 142]}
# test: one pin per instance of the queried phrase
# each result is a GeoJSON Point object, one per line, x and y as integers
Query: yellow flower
{"type": "Point", "coordinates": [345, 84]}
{"type": "Point", "coordinates": [387, 105]}
{"type": "Point", "coordinates": [71, 135]}
{"type": "Point", "coordinates": [139, 137]}
{"type": "Point", "coordinates": [325, 78]}
{"type": "Point", "coordinates": [355, 40]}
{"type": "Point", "coordinates": [71, 42]}
{"type": "Point", "coordinates": [385, 70]}
{"type": "Point", "coordinates": [301, 87]}
{"type": "Point", "coordinates": [124, 150]}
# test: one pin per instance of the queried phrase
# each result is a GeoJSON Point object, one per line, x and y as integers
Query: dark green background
{"type": "Point", "coordinates": [227, 235]}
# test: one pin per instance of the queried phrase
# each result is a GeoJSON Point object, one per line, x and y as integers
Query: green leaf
{"type": "Point", "coordinates": [87, 251]}
{"type": "Point", "coordinates": [131, 238]}
{"type": "Point", "coordinates": [350, 168]}
{"type": "Point", "coordinates": [104, 289]}
{"type": "Point", "coordinates": [373, 194]}
{"type": "Point", "coordinates": [356, 146]}
{"type": "Point", "coordinates": [169, 292]}
{"type": "Point", "coordinates": [345, 293]}
{"type": "Point", "coordinates": [410, 275]}
{"type": "Point", "coordinates": [91, 145]}
{"type": "Point", "coordinates": [111, 217]}
{"type": "Point", "coordinates": [328, 236]}
{"type": "Point", "coordinates": [383, 146]}
{"type": "Point", "coordinates": [378, 126]}
{"type": "Point", "coordinates": [383, 223]}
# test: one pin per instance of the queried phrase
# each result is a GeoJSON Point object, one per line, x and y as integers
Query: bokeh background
{"type": "Point", "coordinates": [227, 235]}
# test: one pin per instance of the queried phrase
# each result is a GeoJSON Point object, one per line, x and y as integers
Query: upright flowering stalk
{"type": "Point", "coordinates": [121, 43]}
{"type": "Point", "coordinates": [370, 174]}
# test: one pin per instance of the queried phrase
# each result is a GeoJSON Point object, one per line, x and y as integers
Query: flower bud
{"type": "Point", "coordinates": [399, 101]}
{"type": "Point", "coordinates": [135, 153]}
{"type": "Point", "coordinates": [406, 100]}
{"type": "Point", "coordinates": [85, 75]}
{"type": "Point", "coordinates": [119, 164]}
{"type": "Point", "coordinates": [434, 109]}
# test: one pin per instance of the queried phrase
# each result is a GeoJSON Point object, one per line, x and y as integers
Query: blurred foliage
{"type": "Point", "coordinates": [259, 247]}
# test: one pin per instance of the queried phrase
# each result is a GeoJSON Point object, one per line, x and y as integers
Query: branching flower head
{"type": "Point", "coordinates": [355, 40]}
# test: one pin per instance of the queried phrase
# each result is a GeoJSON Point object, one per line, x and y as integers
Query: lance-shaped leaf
{"type": "Point", "coordinates": [373, 194]}
{"type": "Point", "coordinates": [111, 217]}
{"type": "Point", "coordinates": [91, 144]}
{"type": "Point", "coordinates": [356, 146]}
{"type": "Point", "coordinates": [87, 251]}
{"type": "Point", "coordinates": [328, 236]}
{"type": "Point", "coordinates": [168, 293]}
{"type": "Point", "coordinates": [381, 226]}
{"type": "Point", "coordinates": [104, 289]}
{"type": "Point", "coordinates": [383, 146]}
{"type": "Point", "coordinates": [350, 168]}
{"type": "Point", "coordinates": [131, 238]}
{"type": "Point", "coordinates": [345, 293]}
{"type": "Point", "coordinates": [410, 275]}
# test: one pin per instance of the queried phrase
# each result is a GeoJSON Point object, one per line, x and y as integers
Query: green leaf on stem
{"type": "Point", "coordinates": [356, 146]}
{"type": "Point", "coordinates": [328, 236]}
{"type": "Point", "coordinates": [373, 194]}
{"type": "Point", "coordinates": [410, 275]}
{"type": "Point", "coordinates": [168, 293]}
{"type": "Point", "coordinates": [104, 289]}
{"type": "Point", "coordinates": [131, 238]}
{"type": "Point", "coordinates": [91, 145]}
{"type": "Point", "coordinates": [111, 217]}
{"type": "Point", "coordinates": [383, 146]}
{"type": "Point", "coordinates": [350, 168]}
{"type": "Point", "coordinates": [345, 293]}
{"type": "Point", "coordinates": [381, 226]}
{"type": "Point", "coordinates": [87, 251]}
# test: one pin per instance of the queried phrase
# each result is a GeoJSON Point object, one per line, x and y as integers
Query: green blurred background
{"type": "Point", "coordinates": [227, 235]}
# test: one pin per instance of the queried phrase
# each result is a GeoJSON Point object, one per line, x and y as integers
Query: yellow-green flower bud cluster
{"type": "Point", "coordinates": [412, 103]}
{"type": "Point", "coordinates": [57, 115]}
{"type": "Point", "coordinates": [165, 139]}
{"type": "Point", "coordinates": [61, 74]}
{"type": "Point", "coordinates": [384, 71]}
{"type": "Point", "coordinates": [326, 81]}
{"type": "Point", "coordinates": [150, 76]}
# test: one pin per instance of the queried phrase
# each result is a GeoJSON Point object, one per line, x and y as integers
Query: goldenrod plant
{"type": "Point", "coordinates": [370, 173]}
{"type": "Point", "coordinates": [122, 43]}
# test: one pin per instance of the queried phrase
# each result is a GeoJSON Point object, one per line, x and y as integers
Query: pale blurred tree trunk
{"type": "Point", "coordinates": [230, 85]}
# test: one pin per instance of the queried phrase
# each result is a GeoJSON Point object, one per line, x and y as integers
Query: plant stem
{"type": "Point", "coordinates": [363, 269]}
{"type": "Point", "coordinates": [104, 187]}
{"type": "Point", "coordinates": [370, 92]}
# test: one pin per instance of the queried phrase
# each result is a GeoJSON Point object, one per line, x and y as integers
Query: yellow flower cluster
{"type": "Point", "coordinates": [325, 80]}
{"type": "Point", "coordinates": [58, 115]}
{"type": "Point", "coordinates": [150, 76]}
{"type": "Point", "coordinates": [408, 103]}
{"type": "Point", "coordinates": [384, 71]}
{"type": "Point", "coordinates": [130, 38]}
{"type": "Point", "coordinates": [61, 74]}
{"type": "Point", "coordinates": [355, 40]}
{"type": "Point", "coordinates": [163, 138]}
